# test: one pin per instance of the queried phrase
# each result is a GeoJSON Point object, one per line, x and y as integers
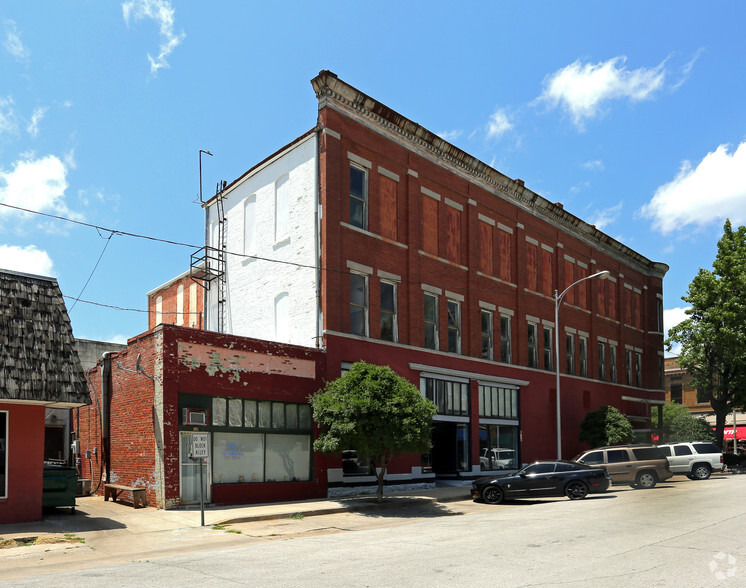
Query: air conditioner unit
{"type": "Point", "coordinates": [196, 416]}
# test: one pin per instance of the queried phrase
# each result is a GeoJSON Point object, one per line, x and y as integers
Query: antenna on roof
{"type": "Point", "coordinates": [201, 151]}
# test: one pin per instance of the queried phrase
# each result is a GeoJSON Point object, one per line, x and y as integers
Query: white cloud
{"type": "Point", "coordinates": [450, 136]}
{"type": "Point", "coordinates": [8, 122]}
{"type": "Point", "coordinates": [162, 12]}
{"type": "Point", "coordinates": [498, 125]}
{"type": "Point", "coordinates": [710, 192]}
{"type": "Point", "coordinates": [33, 127]}
{"type": "Point", "coordinates": [603, 218]}
{"type": "Point", "coordinates": [687, 69]}
{"type": "Point", "coordinates": [13, 43]}
{"type": "Point", "coordinates": [595, 165]}
{"type": "Point", "coordinates": [582, 89]}
{"type": "Point", "coordinates": [671, 318]}
{"type": "Point", "coordinates": [35, 183]}
{"type": "Point", "coordinates": [580, 186]}
{"type": "Point", "coordinates": [28, 260]}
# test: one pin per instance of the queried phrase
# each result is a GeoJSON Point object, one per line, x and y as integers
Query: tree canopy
{"type": "Point", "coordinates": [680, 425]}
{"type": "Point", "coordinates": [606, 426]}
{"type": "Point", "coordinates": [713, 336]}
{"type": "Point", "coordinates": [374, 411]}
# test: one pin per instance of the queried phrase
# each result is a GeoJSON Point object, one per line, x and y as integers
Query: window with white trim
{"type": "Point", "coordinates": [533, 344]}
{"type": "Point", "coordinates": [358, 196]}
{"type": "Point", "coordinates": [548, 349]}
{"type": "Point", "coordinates": [638, 369]}
{"type": "Point", "coordinates": [451, 398]}
{"type": "Point", "coordinates": [612, 363]}
{"type": "Point", "coordinates": [358, 304]}
{"type": "Point", "coordinates": [583, 351]}
{"type": "Point", "coordinates": [570, 353]}
{"type": "Point", "coordinates": [388, 311]}
{"type": "Point", "coordinates": [159, 310]}
{"type": "Point", "coordinates": [454, 326]}
{"type": "Point", "coordinates": [628, 366]}
{"type": "Point", "coordinates": [506, 346]}
{"type": "Point", "coordinates": [487, 341]}
{"type": "Point", "coordinates": [431, 321]}
{"type": "Point", "coordinates": [601, 361]}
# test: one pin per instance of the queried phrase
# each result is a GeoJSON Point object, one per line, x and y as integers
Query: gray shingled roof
{"type": "Point", "coordinates": [38, 360]}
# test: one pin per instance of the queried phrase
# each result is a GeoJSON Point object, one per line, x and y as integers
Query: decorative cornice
{"type": "Point", "coordinates": [336, 94]}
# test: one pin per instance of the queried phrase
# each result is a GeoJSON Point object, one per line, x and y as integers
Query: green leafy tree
{"type": "Point", "coordinates": [679, 425]}
{"type": "Point", "coordinates": [374, 411]}
{"type": "Point", "coordinates": [606, 426]}
{"type": "Point", "coordinates": [713, 336]}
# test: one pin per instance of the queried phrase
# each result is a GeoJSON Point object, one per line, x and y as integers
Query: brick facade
{"type": "Point", "coordinates": [138, 441]}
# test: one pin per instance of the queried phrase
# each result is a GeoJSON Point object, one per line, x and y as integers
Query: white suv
{"type": "Point", "coordinates": [697, 459]}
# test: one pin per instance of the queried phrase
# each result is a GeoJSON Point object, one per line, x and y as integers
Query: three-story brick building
{"type": "Point", "coordinates": [375, 239]}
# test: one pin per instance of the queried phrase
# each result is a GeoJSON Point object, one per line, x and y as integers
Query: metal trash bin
{"type": "Point", "coordinates": [60, 484]}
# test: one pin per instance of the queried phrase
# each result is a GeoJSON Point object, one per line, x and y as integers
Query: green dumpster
{"type": "Point", "coordinates": [60, 485]}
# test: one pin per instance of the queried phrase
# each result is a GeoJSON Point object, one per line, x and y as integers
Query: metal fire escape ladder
{"type": "Point", "coordinates": [208, 264]}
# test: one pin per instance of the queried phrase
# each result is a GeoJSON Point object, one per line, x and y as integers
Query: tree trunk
{"type": "Point", "coordinates": [380, 476]}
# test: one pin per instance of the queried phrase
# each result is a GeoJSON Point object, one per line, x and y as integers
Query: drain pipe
{"type": "Point", "coordinates": [105, 393]}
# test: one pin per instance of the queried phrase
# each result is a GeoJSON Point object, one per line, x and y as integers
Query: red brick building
{"type": "Point", "coordinates": [379, 241]}
{"type": "Point", "coordinates": [180, 301]}
{"type": "Point", "coordinates": [249, 396]}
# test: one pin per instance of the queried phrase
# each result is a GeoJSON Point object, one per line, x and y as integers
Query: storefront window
{"type": "Point", "coordinates": [498, 447]}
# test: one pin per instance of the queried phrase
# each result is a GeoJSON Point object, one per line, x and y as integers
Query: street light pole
{"type": "Point", "coordinates": [557, 299]}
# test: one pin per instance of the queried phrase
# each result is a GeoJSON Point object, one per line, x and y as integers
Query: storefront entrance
{"type": "Point", "coordinates": [450, 452]}
{"type": "Point", "coordinates": [189, 472]}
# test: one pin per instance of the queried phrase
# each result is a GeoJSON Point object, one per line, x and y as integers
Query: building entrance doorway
{"type": "Point", "coordinates": [450, 452]}
{"type": "Point", "coordinates": [189, 472]}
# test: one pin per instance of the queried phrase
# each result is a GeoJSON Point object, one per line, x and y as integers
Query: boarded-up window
{"type": "Point", "coordinates": [453, 234]}
{"type": "Point", "coordinates": [485, 248]}
{"type": "Point", "coordinates": [602, 298]}
{"type": "Point", "coordinates": [504, 245]}
{"type": "Point", "coordinates": [388, 207]}
{"type": "Point", "coordinates": [611, 298]}
{"type": "Point", "coordinates": [569, 278]}
{"type": "Point", "coordinates": [532, 266]}
{"type": "Point", "coordinates": [637, 310]}
{"type": "Point", "coordinates": [546, 272]}
{"type": "Point", "coordinates": [430, 225]}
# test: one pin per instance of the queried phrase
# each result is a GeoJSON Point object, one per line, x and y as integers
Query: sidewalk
{"type": "Point", "coordinates": [102, 532]}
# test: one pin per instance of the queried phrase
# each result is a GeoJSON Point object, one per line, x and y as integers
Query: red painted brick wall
{"type": "Point", "coordinates": [169, 295]}
{"type": "Point", "coordinates": [25, 463]}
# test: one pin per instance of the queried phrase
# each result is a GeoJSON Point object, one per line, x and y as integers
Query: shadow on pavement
{"type": "Point", "coordinates": [400, 507]}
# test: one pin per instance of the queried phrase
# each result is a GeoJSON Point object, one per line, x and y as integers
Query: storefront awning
{"type": "Point", "coordinates": [740, 431]}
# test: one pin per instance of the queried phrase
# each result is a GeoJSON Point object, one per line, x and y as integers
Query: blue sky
{"type": "Point", "coordinates": [630, 114]}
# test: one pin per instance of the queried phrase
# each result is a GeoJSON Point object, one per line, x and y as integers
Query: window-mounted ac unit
{"type": "Point", "coordinates": [196, 416]}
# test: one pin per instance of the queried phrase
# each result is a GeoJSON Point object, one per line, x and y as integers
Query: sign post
{"type": "Point", "coordinates": [200, 450]}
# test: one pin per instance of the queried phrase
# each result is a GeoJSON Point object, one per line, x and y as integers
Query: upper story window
{"type": "Point", "coordinates": [431, 321]}
{"type": "Point", "coordinates": [612, 363]}
{"type": "Point", "coordinates": [570, 353]}
{"type": "Point", "coordinates": [601, 360]}
{"type": "Point", "coordinates": [487, 341]}
{"type": "Point", "coordinates": [638, 369]}
{"type": "Point", "coordinates": [498, 402]}
{"type": "Point", "coordinates": [454, 326]}
{"type": "Point", "coordinates": [506, 346]}
{"type": "Point", "coordinates": [583, 356]}
{"type": "Point", "coordinates": [358, 196]}
{"type": "Point", "coordinates": [548, 349]}
{"type": "Point", "coordinates": [628, 366]}
{"type": "Point", "coordinates": [193, 317]}
{"type": "Point", "coordinates": [359, 304]}
{"type": "Point", "coordinates": [676, 395]}
{"type": "Point", "coordinates": [388, 312]}
{"type": "Point", "coordinates": [533, 346]}
{"type": "Point", "coordinates": [282, 208]}
{"type": "Point", "coordinates": [159, 310]}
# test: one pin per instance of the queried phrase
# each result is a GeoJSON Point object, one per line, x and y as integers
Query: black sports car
{"type": "Point", "coordinates": [542, 478]}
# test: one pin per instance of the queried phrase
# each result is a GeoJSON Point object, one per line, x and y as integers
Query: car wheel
{"type": "Point", "coordinates": [493, 495]}
{"type": "Point", "coordinates": [646, 480]}
{"type": "Point", "coordinates": [576, 490]}
{"type": "Point", "coordinates": [701, 472]}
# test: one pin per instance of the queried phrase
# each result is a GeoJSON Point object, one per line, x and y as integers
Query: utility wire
{"type": "Point", "coordinates": [108, 240]}
{"type": "Point", "coordinates": [197, 247]}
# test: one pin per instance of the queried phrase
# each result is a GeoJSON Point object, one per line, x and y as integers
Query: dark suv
{"type": "Point", "coordinates": [639, 465]}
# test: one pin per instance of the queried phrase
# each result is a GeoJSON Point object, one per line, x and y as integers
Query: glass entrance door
{"type": "Point", "coordinates": [189, 472]}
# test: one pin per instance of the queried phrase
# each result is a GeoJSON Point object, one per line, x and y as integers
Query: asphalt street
{"type": "Point", "coordinates": [682, 533]}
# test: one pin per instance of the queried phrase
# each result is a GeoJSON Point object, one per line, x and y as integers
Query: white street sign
{"type": "Point", "coordinates": [200, 445]}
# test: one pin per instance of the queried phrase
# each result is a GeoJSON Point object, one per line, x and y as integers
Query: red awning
{"type": "Point", "coordinates": [728, 432]}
